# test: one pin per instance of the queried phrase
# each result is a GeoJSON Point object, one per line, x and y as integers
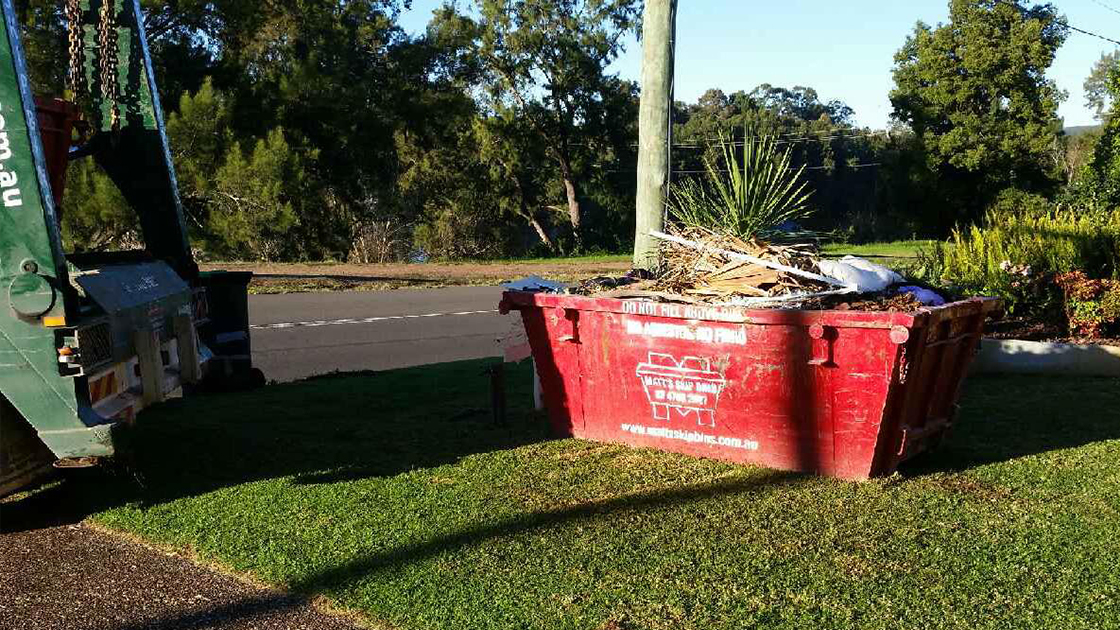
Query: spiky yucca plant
{"type": "Point", "coordinates": [748, 198]}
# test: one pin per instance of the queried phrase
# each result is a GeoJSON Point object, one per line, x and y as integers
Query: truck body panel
{"type": "Point", "coordinates": [90, 339]}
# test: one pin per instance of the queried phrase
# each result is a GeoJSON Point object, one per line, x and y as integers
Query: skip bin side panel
{"type": "Point", "coordinates": [786, 394]}
{"type": "Point", "coordinates": [838, 393]}
{"type": "Point", "coordinates": [665, 383]}
{"type": "Point", "coordinates": [947, 346]}
{"type": "Point", "coordinates": [737, 392]}
{"type": "Point", "coordinates": [864, 363]}
{"type": "Point", "coordinates": [558, 367]}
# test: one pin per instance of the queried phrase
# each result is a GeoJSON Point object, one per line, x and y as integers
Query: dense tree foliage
{"type": "Point", "coordinates": [974, 92]}
{"type": "Point", "coordinates": [1097, 95]}
{"type": "Point", "coordinates": [319, 129]}
{"type": "Point", "coordinates": [1097, 185]}
{"type": "Point", "coordinates": [545, 82]}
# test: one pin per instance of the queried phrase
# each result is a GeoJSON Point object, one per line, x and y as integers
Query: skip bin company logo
{"type": "Point", "coordinates": [10, 191]}
{"type": "Point", "coordinates": [689, 387]}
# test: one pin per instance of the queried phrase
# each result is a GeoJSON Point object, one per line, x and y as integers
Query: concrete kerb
{"type": "Point", "coordinates": [1012, 356]}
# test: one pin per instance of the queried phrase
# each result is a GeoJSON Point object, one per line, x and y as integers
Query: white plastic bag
{"type": "Point", "coordinates": [860, 274]}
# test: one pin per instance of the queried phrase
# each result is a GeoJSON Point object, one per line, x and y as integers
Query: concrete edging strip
{"type": "Point", "coordinates": [1012, 356]}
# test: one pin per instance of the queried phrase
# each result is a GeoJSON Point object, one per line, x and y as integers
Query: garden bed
{"type": "Point", "coordinates": [1025, 329]}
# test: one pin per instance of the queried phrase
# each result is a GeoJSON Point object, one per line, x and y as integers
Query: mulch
{"type": "Point", "coordinates": [1034, 330]}
{"type": "Point", "coordinates": [897, 303]}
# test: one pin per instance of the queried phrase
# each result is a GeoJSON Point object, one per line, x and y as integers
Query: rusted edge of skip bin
{"type": "Point", "coordinates": [512, 300]}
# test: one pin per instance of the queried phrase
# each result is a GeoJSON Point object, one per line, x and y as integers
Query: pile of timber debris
{"type": "Point", "coordinates": [698, 266]}
{"type": "Point", "coordinates": [702, 266]}
{"type": "Point", "coordinates": [715, 267]}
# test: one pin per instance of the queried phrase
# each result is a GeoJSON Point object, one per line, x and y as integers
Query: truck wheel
{"type": "Point", "coordinates": [24, 459]}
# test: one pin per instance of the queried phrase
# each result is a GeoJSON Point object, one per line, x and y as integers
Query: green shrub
{"type": "Point", "coordinates": [1016, 254]}
{"type": "Point", "coordinates": [1017, 202]}
{"type": "Point", "coordinates": [747, 197]}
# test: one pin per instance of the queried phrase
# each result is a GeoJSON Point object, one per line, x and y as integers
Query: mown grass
{"type": "Point", "coordinates": [892, 249]}
{"type": "Point", "coordinates": [902, 256]}
{"type": "Point", "coordinates": [394, 494]}
{"type": "Point", "coordinates": [899, 254]}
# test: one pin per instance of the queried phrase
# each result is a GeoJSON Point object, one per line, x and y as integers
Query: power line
{"type": "Point", "coordinates": [1084, 32]}
{"type": "Point", "coordinates": [702, 144]}
{"type": "Point", "coordinates": [1099, 3]}
{"type": "Point", "coordinates": [791, 168]}
{"type": "Point", "coordinates": [1064, 23]}
{"type": "Point", "coordinates": [706, 142]}
{"type": "Point", "coordinates": [795, 135]}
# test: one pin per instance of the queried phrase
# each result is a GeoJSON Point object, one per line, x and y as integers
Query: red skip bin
{"type": "Point", "coordinates": [839, 393]}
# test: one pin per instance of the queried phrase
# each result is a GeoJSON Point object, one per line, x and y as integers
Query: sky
{"type": "Point", "coordinates": [844, 49]}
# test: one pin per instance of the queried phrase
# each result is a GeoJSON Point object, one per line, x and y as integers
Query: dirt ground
{"type": "Point", "coordinates": [57, 573]}
{"type": "Point", "coordinates": [301, 277]}
{"type": "Point", "coordinates": [1032, 330]}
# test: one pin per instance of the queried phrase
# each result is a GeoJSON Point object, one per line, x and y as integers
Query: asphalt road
{"type": "Point", "coordinates": [305, 334]}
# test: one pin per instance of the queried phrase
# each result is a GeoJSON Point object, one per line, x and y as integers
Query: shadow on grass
{"type": "Point", "coordinates": [66, 502]}
{"type": "Point", "coordinates": [346, 575]}
{"type": "Point", "coordinates": [349, 427]}
{"type": "Point", "coordinates": [247, 612]}
{"type": "Point", "coordinates": [1007, 417]}
{"type": "Point", "coordinates": [322, 430]}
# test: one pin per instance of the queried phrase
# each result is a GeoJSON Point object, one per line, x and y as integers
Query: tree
{"type": "Point", "coordinates": [255, 197]}
{"type": "Point", "coordinates": [489, 154]}
{"type": "Point", "coordinates": [1098, 186]}
{"type": "Point", "coordinates": [801, 102]}
{"type": "Point", "coordinates": [545, 64]}
{"type": "Point", "coordinates": [330, 73]}
{"type": "Point", "coordinates": [1096, 84]}
{"type": "Point", "coordinates": [820, 135]}
{"type": "Point", "coordinates": [239, 202]}
{"type": "Point", "coordinates": [199, 134]}
{"type": "Point", "coordinates": [184, 38]}
{"type": "Point", "coordinates": [974, 92]}
{"type": "Point", "coordinates": [94, 215]}
{"type": "Point", "coordinates": [1073, 152]}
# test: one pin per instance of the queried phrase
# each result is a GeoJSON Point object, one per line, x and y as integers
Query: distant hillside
{"type": "Point", "coordinates": [1077, 131]}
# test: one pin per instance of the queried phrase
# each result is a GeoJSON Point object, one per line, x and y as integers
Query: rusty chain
{"type": "Point", "coordinates": [110, 85]}
{"type": "Point", "coordinates": [76, 76]}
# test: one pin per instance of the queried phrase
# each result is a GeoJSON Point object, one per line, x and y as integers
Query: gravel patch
{"type": "Point", "coordinates": [72, 577]}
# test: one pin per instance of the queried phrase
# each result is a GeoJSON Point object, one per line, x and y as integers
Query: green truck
{"type": "Point", "coordinates": [87, 340]}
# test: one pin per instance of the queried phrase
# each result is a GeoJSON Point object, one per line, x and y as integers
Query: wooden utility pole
{"type": "Point", "coordinates": [654, 126]}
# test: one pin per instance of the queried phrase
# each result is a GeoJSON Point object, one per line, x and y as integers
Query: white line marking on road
{"type": "Point", "coordinates": [367, 320]}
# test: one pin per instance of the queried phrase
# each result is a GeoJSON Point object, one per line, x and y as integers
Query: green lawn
{"type": "Point", "coordinates": [394, 495]}
{"type": "Point", "coordinates": [893, 249]}
{"type": "Point", "coordinates": [318, 277]}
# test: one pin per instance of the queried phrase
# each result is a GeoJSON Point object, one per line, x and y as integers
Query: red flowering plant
{"type": "Point", "coordinates": [1092, 306]}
